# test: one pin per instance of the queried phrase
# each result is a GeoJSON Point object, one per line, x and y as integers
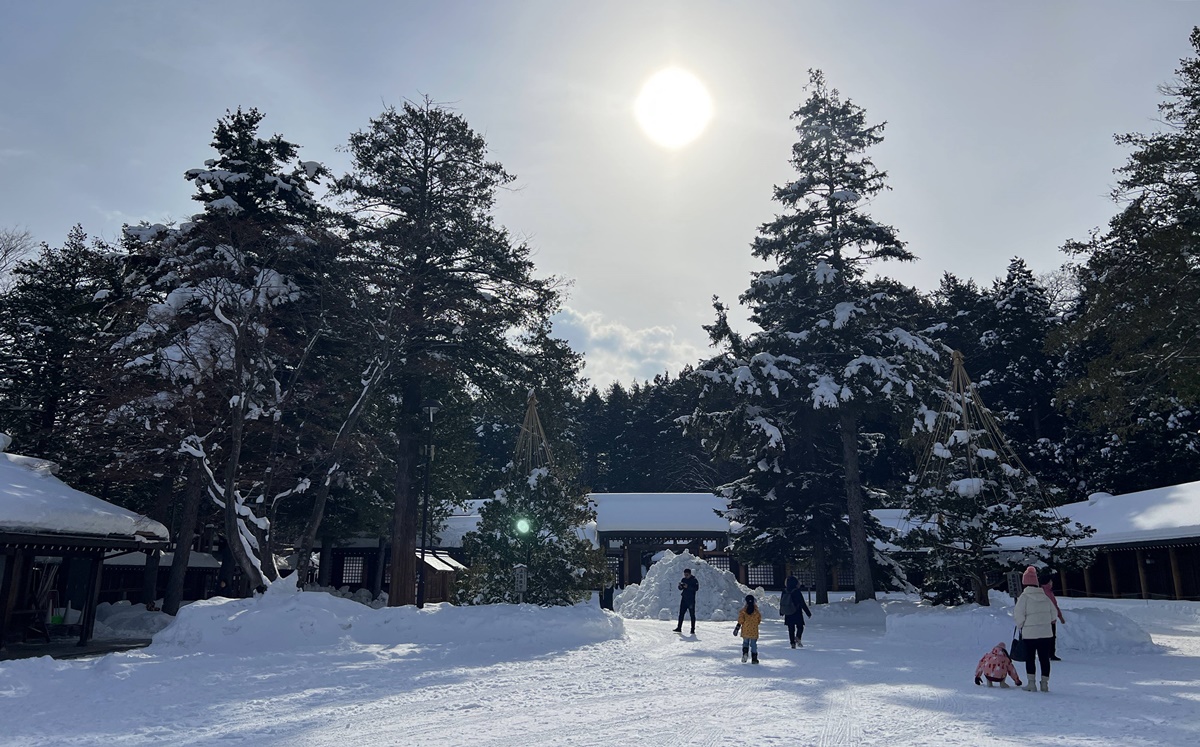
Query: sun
{"type": "Point", "coordinates": [673, 108]}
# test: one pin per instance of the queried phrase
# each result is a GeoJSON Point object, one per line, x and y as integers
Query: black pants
{"type": "Point", "coordinates": [1041, 647]}
{"type": "Point", "coordinates": [795, 626]}
{"type": "Point", "coordinates": [689, 607]}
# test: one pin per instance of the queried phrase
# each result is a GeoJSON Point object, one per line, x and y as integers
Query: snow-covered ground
{"type": "Point", "coordinates": [313, 669]}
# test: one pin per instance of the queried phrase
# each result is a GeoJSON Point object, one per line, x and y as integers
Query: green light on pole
{"type": "Point", "coordinates": [523, 526]}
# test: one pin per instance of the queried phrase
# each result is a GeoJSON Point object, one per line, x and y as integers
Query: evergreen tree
{"type": "Point", "coordinates": [53, 331]}
{"type": "Point", "coordinates": [451, 297]}
{"type": "Point", "coordinates": [534, 519]}
{"type": "Point", "coordinates": [1134, 337]}
{"type": "Point", "coordinates": [831, 341]}
{"type": "Point", "coordinates": [217, 335]}
{"type": "Point", "coordinates": [973, 498]}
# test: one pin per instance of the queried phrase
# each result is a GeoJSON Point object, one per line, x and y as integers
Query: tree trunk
{"type": "Point", "coordinates": [981, 591]}
{"type": "Point", "coordinates": [403, 587]}
{"type": "Point", "coordinates": [233, 533]}
{"type": "Point", "coordinates": [864, 585]}
{"type": "Point", "coordinates": [193, 496]}
{"type": "Point", "coordinates": [820, 568]}
{"type": "Point", "coordinates": [325, 569]}
{"type": "Point", "coordinates": [160, 512]}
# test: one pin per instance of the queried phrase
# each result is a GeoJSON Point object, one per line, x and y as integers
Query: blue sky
{"type": "Point", "coordinates": [999, 138]}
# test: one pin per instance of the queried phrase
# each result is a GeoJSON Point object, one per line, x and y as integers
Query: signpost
{"type": "Point", "coordinates": [521, 576]}
{"type": "Point", "coordinates": [1014, 584]}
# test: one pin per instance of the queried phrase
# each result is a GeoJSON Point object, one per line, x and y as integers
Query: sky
{"type": "Point", "coordinates": [999, 140]}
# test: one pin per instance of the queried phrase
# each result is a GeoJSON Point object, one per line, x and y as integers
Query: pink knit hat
{"type": "Point", "coordinates": [1029, 577]}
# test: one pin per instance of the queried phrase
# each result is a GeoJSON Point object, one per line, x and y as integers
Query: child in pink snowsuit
{"type": "Point", "coordinates": [995, 666]}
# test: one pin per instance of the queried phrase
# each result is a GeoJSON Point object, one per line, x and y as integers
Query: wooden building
{"type": "Point", "coordinates": [53, 540]}
{"type": "Point", "coordinates": [363, 563]}
{"type": "Point", "coordinates": [1147, 544]}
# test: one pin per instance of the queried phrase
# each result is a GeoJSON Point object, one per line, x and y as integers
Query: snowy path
{"type": "Point", "coordinates": [847, 687]}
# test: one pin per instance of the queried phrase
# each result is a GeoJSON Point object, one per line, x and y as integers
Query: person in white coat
{"type": "Point", "coordinates": [1033, 615]}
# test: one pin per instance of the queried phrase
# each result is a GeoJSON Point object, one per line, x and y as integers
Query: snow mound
{"type": "Point", "coordinates": [974, 628]}
{"type": "Point", "coordinates": [719, 599]}
{"type": "Point", "coordinates": [288, 620]}
{"type": "Point", "coordinates": [123, 621]}
{"type": "Point", "coordinates": [1103, 631]}
{"type": "Point", "coordinates": [868, 613]}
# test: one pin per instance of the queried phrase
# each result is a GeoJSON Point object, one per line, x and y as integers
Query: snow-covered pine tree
{"type": "Point", "coordinates": [1133, 339]}
{"type": "Point", "coordinates": [215, 325]}
{"type": "Point", "coordinates": [973, 506]}
{"type": "Point", "coordinates": [830, 340]}
{"type": "Point", "coordinates": [534, 519]}
{"type": "Point", "coordinates": [1020, 375]}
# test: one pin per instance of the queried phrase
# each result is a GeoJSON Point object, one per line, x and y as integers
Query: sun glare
{"type": "Point", "coordinates": [673, 108]}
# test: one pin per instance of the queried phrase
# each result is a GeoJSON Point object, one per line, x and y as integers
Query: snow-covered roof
{"type": "Point", "coordinates": [33, 500]}
{"type": "Point", "coordinates": [660, 512]}
{"type": "Point", "coordinates": [1166, 513]}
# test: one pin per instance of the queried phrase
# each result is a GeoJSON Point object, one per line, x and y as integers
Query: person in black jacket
{"type": "Point", "coordinates": [793, 609]}
{"type": "Point", "coordinates": [688, 586]}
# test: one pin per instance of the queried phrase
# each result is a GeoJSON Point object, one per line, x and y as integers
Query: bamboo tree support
{"type": "Point", "coordinates": [1112, 575]}
{"type": "Point", "coordinates": [1176, 576]}
{"type": "Point", "coordinates": [1141, 564]}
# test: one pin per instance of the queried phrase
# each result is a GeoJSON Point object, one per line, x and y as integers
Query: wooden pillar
{"type": "Point", "coordinates": [1176, 576]}
{"type": "Point", "coordinates": [1062, 579]}
{"type": "Point", "coordinates": [1112, 575]}
{"type": "Point", "coordinates": [834, 586]}
{"type": "Point", "coordinates": [629, 562]}
{"type": "Point", "coordinates": [1087, 580]}
{"type": "Point", "coordinates": [87, 618]}
{"type": "Point", "coordinates": [13, 568]}
{"type": "Point", "coordinates": [1141, 563]}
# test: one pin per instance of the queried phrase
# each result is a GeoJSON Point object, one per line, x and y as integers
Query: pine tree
{"type": "Point", "coordinates": [214, 338]}
{"type": "Point", "coordinates": [1134, 337]}
{"type": "Point", "coordinates": [450, 296]}
{"type": "Point", "coordinates": [831, 341]}
{"type": "Point", "coordinates": [535, 518]}
{"type": "Point", "coordinates": [973, 498]}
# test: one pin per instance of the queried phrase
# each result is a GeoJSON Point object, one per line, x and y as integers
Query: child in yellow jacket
{"type": "Point", "coordinates": [748, 619]}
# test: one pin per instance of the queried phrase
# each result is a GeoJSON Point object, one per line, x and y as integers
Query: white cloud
{"type": "Point", "coordinates": [615, 352]}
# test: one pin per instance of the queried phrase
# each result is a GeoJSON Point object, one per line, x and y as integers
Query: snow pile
{"type": "Point", "coordinates": [362, 596]}
{"type": "Point", "coordinates": [846, 613]}
{"type": "Point", "coordinates": [286, 620]}
{"type": "Point", "coordinates": [720, 596]}
{"type": "Point", "coordinates": [1103, 631]}
{"type": "Point", "coordinates": [124, 621]}
{"type": "Point", "coordinates": [971, 627]}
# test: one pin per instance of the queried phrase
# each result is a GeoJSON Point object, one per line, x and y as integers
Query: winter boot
{"type": "Point", "coordinates": [793, 644]}
{"type": "Point", "coordinates": [754, 658]}
{"type": "Point", "coordinates": [1030, 685]}
{"type": "Point", "coordinates": [1045, 683]}
{"type": "Point", "coordinates": [745, 653]}
{"type": "Point", "coordinates": [693, 630]}
{"type": "Point", "coordinates": [990, 683]}
{"type": "Point", "coordinates": [1003, 684]}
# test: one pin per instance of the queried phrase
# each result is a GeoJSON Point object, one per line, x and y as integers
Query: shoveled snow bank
{"type": "Point", "coordinates": [287, 620]}
{"type": "Point", "coordinates": [124, 621]}
{"type": "Point", "coordinates": [720, 596]}
{"type": "Point", "coordinates": [971, 627]}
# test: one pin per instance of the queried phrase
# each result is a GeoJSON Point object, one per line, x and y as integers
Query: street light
{"type": "Point", "coordinates": [429, 406]}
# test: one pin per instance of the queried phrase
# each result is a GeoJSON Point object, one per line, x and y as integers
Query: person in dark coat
{"type": "Point", "coordinates": [688, 586]}
{"type": "Point", "coordinates": [793, 609]}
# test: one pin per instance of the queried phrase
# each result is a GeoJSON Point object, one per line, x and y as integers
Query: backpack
{"type": "Point", "coordinates": [787, 604]}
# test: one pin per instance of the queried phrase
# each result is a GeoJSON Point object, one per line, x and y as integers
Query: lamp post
{"type": "Point", "coordinates": [429, 406]}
